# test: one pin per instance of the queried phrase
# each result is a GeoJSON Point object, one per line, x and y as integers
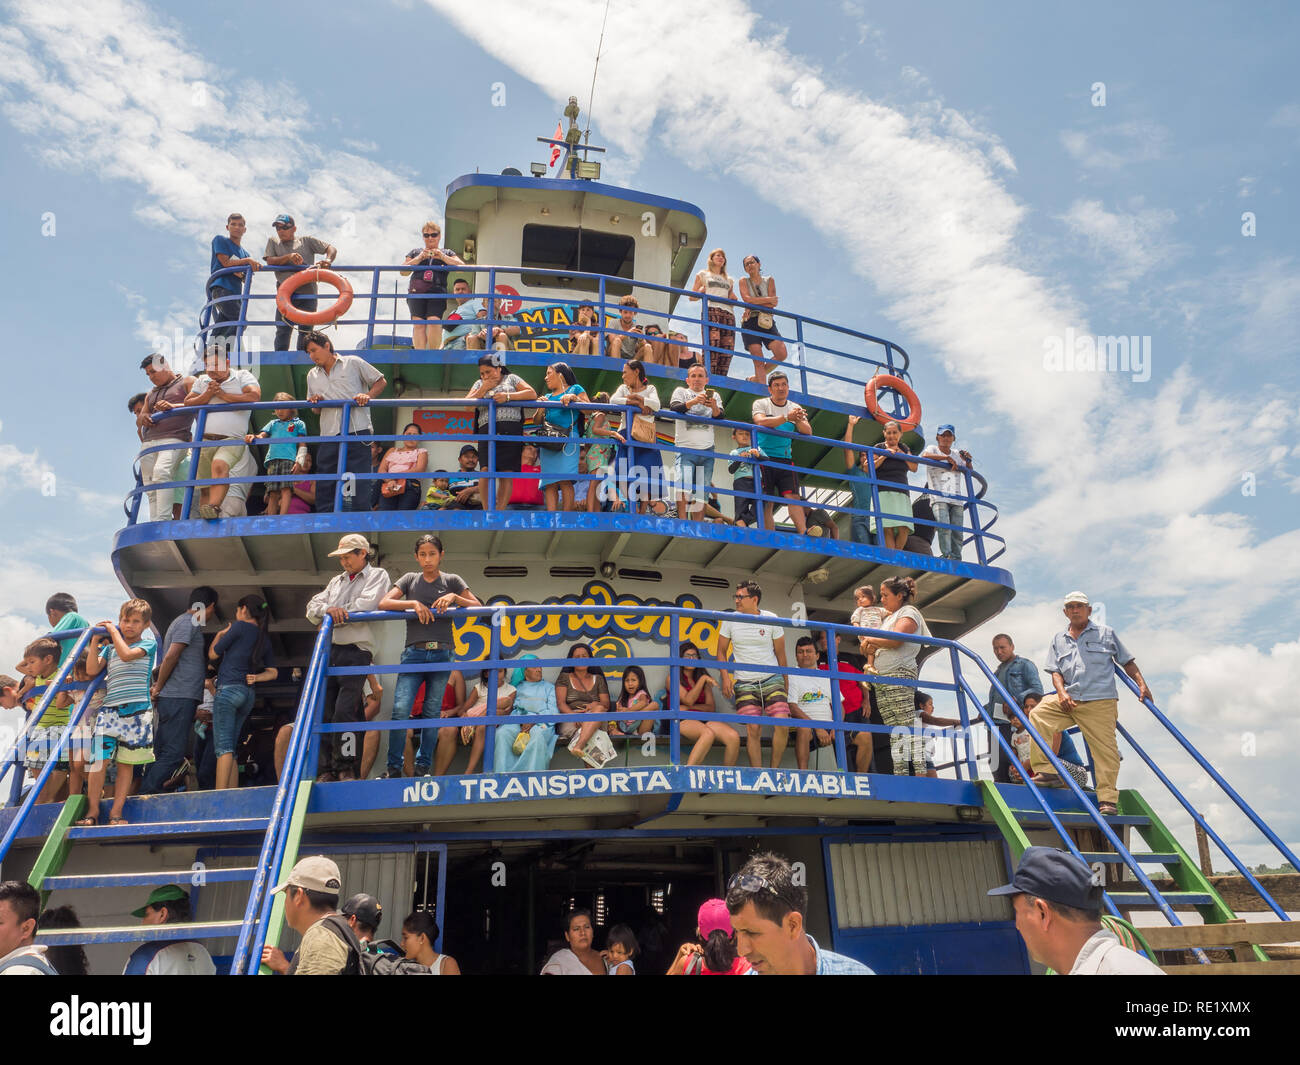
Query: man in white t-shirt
{"type": "Point", "coordinates": [696, 402]}
{"type": "Point", "coordinates": [757, 643]}
{"type": "Point", "coordinates": [217, 386]}
{"type": "Point", "coordinates": [184, 957]}
{"type": "Point", "coordinates": [810, 699]}
{"type": "Point", "coordinates": [945, 483]}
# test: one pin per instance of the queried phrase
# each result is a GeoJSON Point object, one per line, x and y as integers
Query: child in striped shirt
{"type": "Point", "coordinates": [124, 725]}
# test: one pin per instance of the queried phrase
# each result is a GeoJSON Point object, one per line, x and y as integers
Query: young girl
{"type": "Point", "coordinates": [282, 429]}
{"type": "Point", "coordinates": [635, 699]}
{"type": "Point", "coordinates": [419, 933]}
{"type": "Point", "coordinates": [867, 616]}
{"type": "Point", "coordinates": [302, 494]}
{"type": "Point", "coordinates": [244, 650]}
{"type": "Point", "coordinates": [124, 727]}
{"type": "Point", "coordinates": [598, 458]}
{"type": "Point", "coordinates": [620, 948]}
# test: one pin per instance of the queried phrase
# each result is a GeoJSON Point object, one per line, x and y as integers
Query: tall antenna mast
{"type": "Point", "coordinates": [595, 67]}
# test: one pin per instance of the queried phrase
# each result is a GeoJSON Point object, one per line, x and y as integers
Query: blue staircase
{"type": "Point", "coordinates": [287, 802]}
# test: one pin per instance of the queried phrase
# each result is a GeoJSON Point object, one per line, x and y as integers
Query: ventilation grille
{"type": "Point", "coordinates": [505, 571]}
{"type": "Point", "coordinates": [573, 571]}
{"type": "Point", "coordinates": [709, 582]}
{"type": "Point", "coordinates": [641, 575]}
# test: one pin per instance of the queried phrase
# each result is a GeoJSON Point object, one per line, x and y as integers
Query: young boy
{"type": "Point", "coordinates": [439, 496]}
{"type": "Point", "coordinates": [124, 727]}
{"type": "Point", "coordinates": [282, 429]}
{"type": "Point", "coordinates": [745, 511]}
{"type": "Point", "coordinates": [39, 665]}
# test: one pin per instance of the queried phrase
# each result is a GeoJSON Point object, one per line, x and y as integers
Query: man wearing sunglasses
{"type": "Point", "coordinates": [767, 912]}
{"type": "Point", "coordinates": [287, 249]}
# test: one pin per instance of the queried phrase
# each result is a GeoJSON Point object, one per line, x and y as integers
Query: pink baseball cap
{"type": "Point", "coordinates": [714, 916]}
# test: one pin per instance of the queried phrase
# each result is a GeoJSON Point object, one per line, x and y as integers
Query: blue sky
{"type": "Point", "coordinates": [935, 173]}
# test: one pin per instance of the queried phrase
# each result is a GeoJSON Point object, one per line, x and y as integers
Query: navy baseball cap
{"type": "Point", "coordinates": [469, 449]}
{"type": "Point", "coordinates": [365, 908]}
{"type": "Point", "coordinates": [1057, 877]}
{"type": "Point", "coordinates": [283, 220]}
{"type": "Point", "coordinates": [946, 429]}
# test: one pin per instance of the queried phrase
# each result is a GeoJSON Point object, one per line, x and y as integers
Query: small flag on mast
{"type": "Point", "coordinates": [555, 148]}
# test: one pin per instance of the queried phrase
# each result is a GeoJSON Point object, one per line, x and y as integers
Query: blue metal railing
{"type": "Point", "coordinates": [814, 367]}
{"type": "Point", "coordinates": [345, 483]}
{"type": "Point", "coordinates": [248, 950]}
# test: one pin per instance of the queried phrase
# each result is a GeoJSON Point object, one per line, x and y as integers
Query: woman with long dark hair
{"type": "Point", "coordinates": [715, 954]}
{"type": "Point", "coordinates": [69, 959]}
{"type": "Point", "coordinates": [897, 658]}
{"type": "Point", "coordinates": [695, 695]}
{"type": "Point", "coordinates": [581, 688]}
{"type": "Point", "coordinates": [419, 934]}
{"type": "Point", "coordinates": [243, 649]}
{"type": "Point", "coordinates": [560, 464]}
{"type": "Point", "coordinates": [498, 386]}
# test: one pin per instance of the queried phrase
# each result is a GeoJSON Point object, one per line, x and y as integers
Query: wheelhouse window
{"type": "Point", "coordinates": [558, 252]}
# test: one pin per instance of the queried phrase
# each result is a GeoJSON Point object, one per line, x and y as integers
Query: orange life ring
{"type": "Point", "coordinates": [884, 380]}
{"type": "Point", "coordinates": [295, 281]}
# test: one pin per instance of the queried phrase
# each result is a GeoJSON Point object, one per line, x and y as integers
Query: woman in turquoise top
{"type": "Point", "coordinates": [560, 466]}
{"type": "Point", "coordinates": [532, 696]}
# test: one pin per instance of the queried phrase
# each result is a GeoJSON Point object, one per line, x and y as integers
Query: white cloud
{"type": "Point", "coordinates": [1245, 187]}
{"type": "Point", "coordinates": [1127, 245]}
{"type": "Point", "coordinates": [1116, 146]}
{"type": "Point", "coordinates": [110, 88]}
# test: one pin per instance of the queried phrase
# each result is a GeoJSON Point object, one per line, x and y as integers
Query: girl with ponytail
{"type": "Point", "coordinates": [715, 954]}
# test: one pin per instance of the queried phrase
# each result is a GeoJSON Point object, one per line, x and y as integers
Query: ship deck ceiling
{"type": "Point", "coordinates": [288, 568]}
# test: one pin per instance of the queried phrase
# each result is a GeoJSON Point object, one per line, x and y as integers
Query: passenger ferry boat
{"type": "Point", "coordinates": [897, 867]}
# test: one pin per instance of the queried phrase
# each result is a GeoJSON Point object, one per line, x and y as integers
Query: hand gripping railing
{"type": "Point", "coordinates": [248, 950]}
{"type": "Point", "coordinates": [1058, 767]}
{"type": "Point", "coordinates": [15, 754]}
{"type": "Point", "coordinates": [891, 358]}
{"type": "Point", "coordinates": [673, 620]}
{"type": "Point", "coordinates": [1218, 778]}
{"type": "Point", "coordinates": [971, 503]}
{"type": "Point", "coordinates": [61, 749]}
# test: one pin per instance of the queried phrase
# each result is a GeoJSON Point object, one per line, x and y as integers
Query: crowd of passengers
{"type": "Point", "coordinates": [549, 447]}
{"type": "Point", "coordinates": [761, 918]}
{"type": "Point", "coordinates": [174, 713]}
{"type": "Point", "coordinates": [622, 466]}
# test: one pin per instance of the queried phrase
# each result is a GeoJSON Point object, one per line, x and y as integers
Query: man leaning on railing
{"type": "Point", "coordinates": [341, 377]}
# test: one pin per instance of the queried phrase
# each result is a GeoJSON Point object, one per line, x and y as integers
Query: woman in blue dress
{"type": "Point", "coordinates": [532, 696]}
{"type": "Point", "coordinates": [560, 465]}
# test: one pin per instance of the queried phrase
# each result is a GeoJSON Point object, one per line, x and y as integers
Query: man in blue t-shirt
{"type": "Point", "coordinates": [226, 251]}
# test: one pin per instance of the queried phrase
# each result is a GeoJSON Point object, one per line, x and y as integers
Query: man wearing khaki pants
{"type": "Point", "coordinates": [1080, 662]}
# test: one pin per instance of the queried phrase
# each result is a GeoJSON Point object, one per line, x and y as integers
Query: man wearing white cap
{"type": "Point", "coordinates": [329, 947]}
{"type": "Point", "coordinates": [1080, 662]}
{"type": "Point", "coordinates": [358, 588]}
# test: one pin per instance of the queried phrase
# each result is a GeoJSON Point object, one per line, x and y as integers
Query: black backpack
{"type": "Point", "coordinates": [385, 959]}
{"type": "Point", "coordinates": [363, 962]}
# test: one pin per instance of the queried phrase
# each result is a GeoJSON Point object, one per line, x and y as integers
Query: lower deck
{"type": "Point", "coordinates": [897, 868]}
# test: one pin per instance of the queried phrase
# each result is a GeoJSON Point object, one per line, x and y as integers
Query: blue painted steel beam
{"type": "Point", "coordinates": [141, 833]}
{"type": "Point", "coordinates": [145, 933]}
{"type": "Point", "coordinates": [176, 876]}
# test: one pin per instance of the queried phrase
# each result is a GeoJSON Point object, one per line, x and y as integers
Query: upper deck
{"type": "Point", "coordinates": [555, 244]}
